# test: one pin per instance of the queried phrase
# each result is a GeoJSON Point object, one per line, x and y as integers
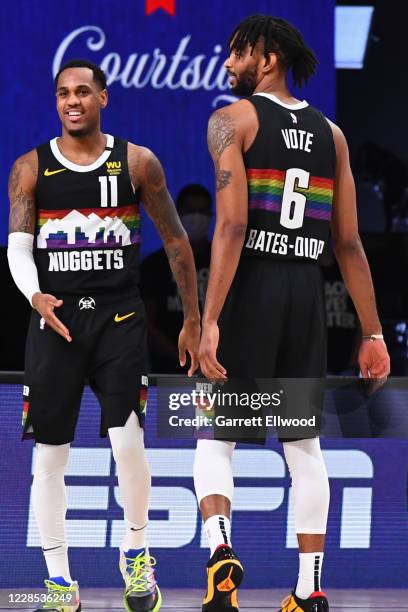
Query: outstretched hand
{"type": "Point", "coordinates": [45, 303]}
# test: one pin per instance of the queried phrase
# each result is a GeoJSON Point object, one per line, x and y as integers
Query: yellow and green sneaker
{"type": "Point", "coordinates": [62, 596]}
{"type": "Point", "coordinates": [141, 591]}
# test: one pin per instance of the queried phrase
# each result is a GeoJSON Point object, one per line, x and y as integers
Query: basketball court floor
{"type": "Point", "coordinates": [188, 600]}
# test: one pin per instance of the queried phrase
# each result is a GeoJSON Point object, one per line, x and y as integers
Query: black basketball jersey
{"type": "Point", "coordinates": [290, 172]}
{"type": "Point", "coordinates": [88, 223]}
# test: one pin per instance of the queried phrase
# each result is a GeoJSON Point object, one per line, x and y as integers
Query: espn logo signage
{"type": "Point", "coordinates": [180, 504]}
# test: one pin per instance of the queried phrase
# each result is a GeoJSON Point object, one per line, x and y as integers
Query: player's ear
{"type": "Point", "coordinates": [103, 97]}
{"type": "Point", "coordinates": [269, 63]}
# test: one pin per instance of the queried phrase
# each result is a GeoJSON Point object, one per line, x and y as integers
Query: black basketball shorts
{"type": "Point", "coordinates": [273, 324]}
{"type": "Point", "coordinates": [108, 350]}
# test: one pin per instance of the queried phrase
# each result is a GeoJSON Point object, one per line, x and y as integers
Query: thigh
{"type": "Point", "coordinates": [54, 379]}
{"type": "Point", "coordinates": [117, 371]}
{"type": "Point", "coordinates": [251, 322]}
{"type": "Point", "coordinates": [251, 330]}
{"type": "Point", "coordinates": [303, 351]}
{"type": "Point", "coordinates": [303, 356]}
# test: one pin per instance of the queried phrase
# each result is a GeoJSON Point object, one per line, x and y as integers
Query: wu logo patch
{"type": "Point", "coordinates": [294, 118]}
{"type": "Point", "coordinates": [113, 167]}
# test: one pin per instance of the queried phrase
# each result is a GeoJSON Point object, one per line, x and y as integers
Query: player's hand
{"type": "Point", "coordinates": [189, 340]}
{"type": "Point", "coordinates": [207, 355]}
{"type": "Point", "coordinates": [374, 360]}
{"type": "Point", "coordinates": [44, 305]}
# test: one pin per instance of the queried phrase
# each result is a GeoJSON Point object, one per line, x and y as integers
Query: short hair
{"type": "Point", "coordinates": [280, 37]}
{"type": "Point", "coordinates": [191, 191]}
{"type": "Point", "coordinates": [98, 74]}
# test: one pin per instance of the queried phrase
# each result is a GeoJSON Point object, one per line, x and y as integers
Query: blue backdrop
{"type": "Point", "coordinates": [367, 543]}
{"type": "Point", "coordinates": [165, 73]}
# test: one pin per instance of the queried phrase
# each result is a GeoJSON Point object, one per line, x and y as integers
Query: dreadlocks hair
{"type": "Point", "coordinates": [98, 74]}
{"type": "Point", "coordinates": [280, 37]}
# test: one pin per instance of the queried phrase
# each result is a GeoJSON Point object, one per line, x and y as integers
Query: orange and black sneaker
{"type": "Point", "coordinates": [317, 602]}
{"type": "Point", "coordinates": [224, 575]}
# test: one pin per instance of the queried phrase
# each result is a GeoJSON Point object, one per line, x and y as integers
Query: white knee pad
{"type": "Point", "coordinates": [127, 442]}
{"type": "Point", "coordinates": [213, 469]}
{"type": "Point", "coordinates": [310, 484]}
{"type": "Point", "coordinates": [50, 459]}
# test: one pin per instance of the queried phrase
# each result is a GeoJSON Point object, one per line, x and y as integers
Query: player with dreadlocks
{"type": "Point", "coordinates": [283, 179]}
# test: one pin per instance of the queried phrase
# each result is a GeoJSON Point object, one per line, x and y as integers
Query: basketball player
{"type": "Point", "coordinates": [76, 200]}
{"type": "Point", "coordinates": [283, 178]}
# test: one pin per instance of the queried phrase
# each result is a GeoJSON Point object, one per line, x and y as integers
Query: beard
{"type": "Point", "coordinates": [245, 83]}
{"type": "Point", "coordinates": [84, 130]}
{"type": "Point", "coordinates": [81, 132]}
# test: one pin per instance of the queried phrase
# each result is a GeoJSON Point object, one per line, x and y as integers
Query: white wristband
{"type": "Point", "coordinates": [21, 263]}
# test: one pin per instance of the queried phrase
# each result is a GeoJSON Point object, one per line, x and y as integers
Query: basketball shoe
{"type": "Point", "coordinates": [317, 602]}
{"type": "Point", "coordinates": [62, 596]}
{"type": "Point", "coordinates": [224, 575]}
{"type": "Point", "coordinates": [141, 591]}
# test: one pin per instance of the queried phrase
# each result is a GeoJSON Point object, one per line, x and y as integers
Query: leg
{"type": "Point", "coordinates": [134, 479]}
{"type": "Point", "coordinates": [214, 486]}
{"type": "Point", "coordinates": [142, 592]}
{"type": "Point", "coordinates": [311, 497]}
{"type": "Point", "coordinates": [117, 378]}
{"type": "Point", "coordinates": [50, 506]}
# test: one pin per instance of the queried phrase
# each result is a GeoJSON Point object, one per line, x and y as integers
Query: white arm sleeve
{"type": "Point", "coordinates": [21, 263]}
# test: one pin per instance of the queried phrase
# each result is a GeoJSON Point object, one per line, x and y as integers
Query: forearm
{"type": "Point", "coordinates": [182, 265]}
{"type": "Point", "coordinates": [357, 277]}
{"type": "Point", "coordinates": [21, 263]}
{"type": "Point", "coordinates": [225, 254]}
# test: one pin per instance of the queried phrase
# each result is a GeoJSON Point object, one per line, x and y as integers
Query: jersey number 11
{"type": "Point", "coordinates": [113, 184]}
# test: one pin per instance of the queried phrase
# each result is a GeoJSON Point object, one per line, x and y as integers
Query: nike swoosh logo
{"type": "Point", "coordinates": [51, 172]}
{"type": "Point", "coordinates": [54, 548]}
{"type": "Point", "coordinates": [118, 319]}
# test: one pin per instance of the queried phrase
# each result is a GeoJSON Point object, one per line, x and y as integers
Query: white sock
{"type": "Point", "coordinates": [310, 571]}
{"type": "Point", "coordinates": [57, 563]}
{"type": "Point", "coordinates": [135, 536]}
{"type": "Point", "coordinates": [50, 505]}
{"type": "Point", "coordinates": [134, 480]}
{"type": "Point", "coordinates": [218, 530]}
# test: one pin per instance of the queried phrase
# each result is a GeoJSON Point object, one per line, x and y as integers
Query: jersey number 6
{"type": "Point", "coordinates": [293, 202]}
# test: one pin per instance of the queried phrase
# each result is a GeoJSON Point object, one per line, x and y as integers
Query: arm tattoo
{"type": "Point", "coordinates": [158, 202]}
{"type": "Point", "coordinates": [161, 210]}
{"type": "Point", "coordinates": [223, 178]}
{"type": "Point", "coordinates": [221, 134]}
{"type": "Point", "coordinates": [22, 204]}
{"type": "Point", "coordinates": [179, 268]}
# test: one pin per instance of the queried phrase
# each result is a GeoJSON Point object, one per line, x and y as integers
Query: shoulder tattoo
{"type": "Point", "coordinates": [221, 134]}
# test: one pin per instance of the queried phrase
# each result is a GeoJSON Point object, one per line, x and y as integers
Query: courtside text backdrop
{"type": "Point", "coordinates": [164, 63]}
